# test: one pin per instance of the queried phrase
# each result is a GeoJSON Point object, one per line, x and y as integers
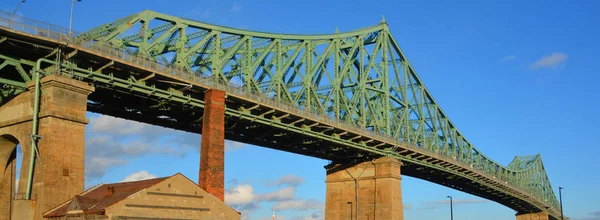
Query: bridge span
{"type": "Point", "coordinates": [351, 98]}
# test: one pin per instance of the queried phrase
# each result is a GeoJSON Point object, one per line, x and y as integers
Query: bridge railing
{"type": "Point", "coordinates": [62, 34]}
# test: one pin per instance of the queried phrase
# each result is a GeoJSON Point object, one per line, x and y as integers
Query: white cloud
{"type": "Point", "coordinates": [552, 61]}
{"type": "Point", "coordinates": [507, 58]}
{"type": "Point", "coordinates": [299, 204]}
{"type": "Point", "coordinates": [233, 145]}
{"type": "Point", "coordinates": [112, 125]}
{"type": "Point", "coordinates": [113, 141]}
{"type": "Point", "coordinates": [277, 195]}
{"type": "Point", "coordinates": [439, 203]}
{"type": "Point", "coordinates": [239, 195]}
{"type": "Point", "coordinates": [243, 199]}
{"type": "Point", "coordinates": [142, 175]}
{"type": "Point", "coordinates": [290, 180]}
{"type": "Point", "coordinates": [407, 206]}
{"type": "Point", "coordinates": [237, 7]}
{"type": "Point", "coordinates": [96, 166]}
{"type": "Point", "coordinates": [312, 216]}
{"type": "Point", "coordinates": [458, 201]}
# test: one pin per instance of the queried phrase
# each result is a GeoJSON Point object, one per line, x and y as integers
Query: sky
{"type": "Point", "coordinates": [516, 77]}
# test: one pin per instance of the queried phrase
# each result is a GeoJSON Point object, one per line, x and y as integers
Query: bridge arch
{"type": "Point", "coordinates": [8, 151]}
{"type": "Point", "coordinates": [9, 146]}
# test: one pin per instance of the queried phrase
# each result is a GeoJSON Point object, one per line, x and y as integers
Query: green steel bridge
{"type": "Point", "coordinates": [344, 97]}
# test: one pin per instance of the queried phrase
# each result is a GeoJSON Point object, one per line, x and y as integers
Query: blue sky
{"type": "Point", "coordinates": [516, 77]}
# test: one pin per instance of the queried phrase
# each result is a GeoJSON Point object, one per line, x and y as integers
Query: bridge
{"type": "Point", "coordinates": [351, 98]}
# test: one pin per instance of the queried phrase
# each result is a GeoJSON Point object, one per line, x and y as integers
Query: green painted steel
{"type": "Point", "coordinates": [359, 79]}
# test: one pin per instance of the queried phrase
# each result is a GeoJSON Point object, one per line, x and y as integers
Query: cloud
{"type": "Point", "coordinates": [407, 206]}
{"type": "Point", "coordinates": [113, 141]}
{"type": "Point", "coordinates": [458, 201]}
{"type": "Point", "coordinates": [277, 195]}
{"type": "Point", "coordinates": [290, 180]}
{"type": "Point", "coordinates": [244, 194]}
{"type": "Point", "coordinates": [312, 216]}
{"type": "Point", "coordinates": [552, 61]}
{"type": "Point", "coordinates": [236, 7]}
{"type": "Point", "coordinates": [299, 205]}
{"type": "Point", "coordinates": [438, 203]}
{"type": "Point", "coordinates": [96, 166]}
{"type": "Point", "coordinates": [233, 145]}
{"type": "Point", "coordinates": [240, 195]}
{"type": "Point", "coordinates": [117, 126]}
{"type": "Point", "coordinates": [233, 181]}
{"type": "Point", "coordinates": [199, 11]}
{"type": "Point", "coordinates": [244, 199]}
{"type": "Point", "coordinates": [142, 175]}
{"type": "Point", "coordinates": [595, 216]}
{"type": "Point", "coordinates": [508, 58]}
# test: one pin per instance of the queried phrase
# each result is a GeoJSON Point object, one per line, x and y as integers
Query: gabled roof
{"type": "Point", "coordinates": [95, 200]}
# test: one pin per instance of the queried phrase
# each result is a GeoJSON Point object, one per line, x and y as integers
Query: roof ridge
{"type": "Point", "coordinates": [110, 202]}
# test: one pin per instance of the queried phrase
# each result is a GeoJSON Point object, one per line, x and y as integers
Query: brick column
{"type": "Point", "coordinates": [533, 216]}
{"type": "Point", "coordinates": [377, 184]}
{"type": "Point", "coordinates": [212, 150]}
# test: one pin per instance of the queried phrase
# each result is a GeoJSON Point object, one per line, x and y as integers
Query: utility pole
{"type": "Point", "coordinates": [561, 209]}
{"type": "Point", "coordinates": [16, 8]}
{"type": "Point", "coordinates": [71, 16]}
{"type": "Point", "coordinates": [451, 214]}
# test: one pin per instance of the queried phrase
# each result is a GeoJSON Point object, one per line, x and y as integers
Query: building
{"type": "Point", "coordinates": [174, 197]}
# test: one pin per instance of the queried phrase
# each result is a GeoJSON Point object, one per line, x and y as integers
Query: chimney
{"type": "Point", "coordinates": [111, 191]}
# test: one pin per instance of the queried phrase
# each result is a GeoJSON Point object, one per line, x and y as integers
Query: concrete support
{"type": "Point", "coordinates": [533, 216]}
{"type": "Point", "coordinates": [212, 150]}
{"type": "Point", "coordinates": [59, 170]}
{"type": "Point", "coordinates": [369, 190]}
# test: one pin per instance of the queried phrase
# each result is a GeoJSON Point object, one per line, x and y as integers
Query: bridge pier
{"type": "Point", "coordinates": [368, 190]}
{"type": "Point", "coordinates": [533, 216]}
{"type": "Point", "coordinates": [59, 169]}
{"type": "Point", "coordinates": [212, 150]}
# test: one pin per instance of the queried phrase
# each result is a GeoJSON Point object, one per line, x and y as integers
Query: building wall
{"type": "Point", "coordinates": [176, 197]}
{"type": "Point", "coordinates": [81, 217]}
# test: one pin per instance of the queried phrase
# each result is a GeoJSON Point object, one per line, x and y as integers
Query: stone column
{"type": "Point", "coordinates": [212, 150]}
{"type": "Point", "coordinates": [533, 216]}
{"type": "Point", "coordinates": [377, 184]}
{"type": "Point", "coordinates": [59, 170]}
{"type": "Point", "coordinates": [7, 181]}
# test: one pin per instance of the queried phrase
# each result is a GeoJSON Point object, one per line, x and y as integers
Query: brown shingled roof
{"type": "Point", "coordinates": [95, 200]}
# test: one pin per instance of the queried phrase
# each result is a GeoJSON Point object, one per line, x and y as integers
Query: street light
{"type": "Point", "coordinates": [451, 214]}
{"type": "Point", "coordinates": [71, 15]}
{"type": "Point", "coordinates": [15, 11]}
{"type": "Point", "coordinates": [560, 196]}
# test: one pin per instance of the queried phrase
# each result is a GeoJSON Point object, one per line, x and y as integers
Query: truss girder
{"type": "Point", "coordinates": [360, 79]}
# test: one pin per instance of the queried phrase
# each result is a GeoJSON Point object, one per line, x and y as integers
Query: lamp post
{"type": "Point", "coordinates": [560, 196]}
{"type": "Point", "coordinates": [15, 11]}
{"type": "Point", "coordinates": [451, 214]}
{"type": "Point", "coordinates": [71, 15]}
